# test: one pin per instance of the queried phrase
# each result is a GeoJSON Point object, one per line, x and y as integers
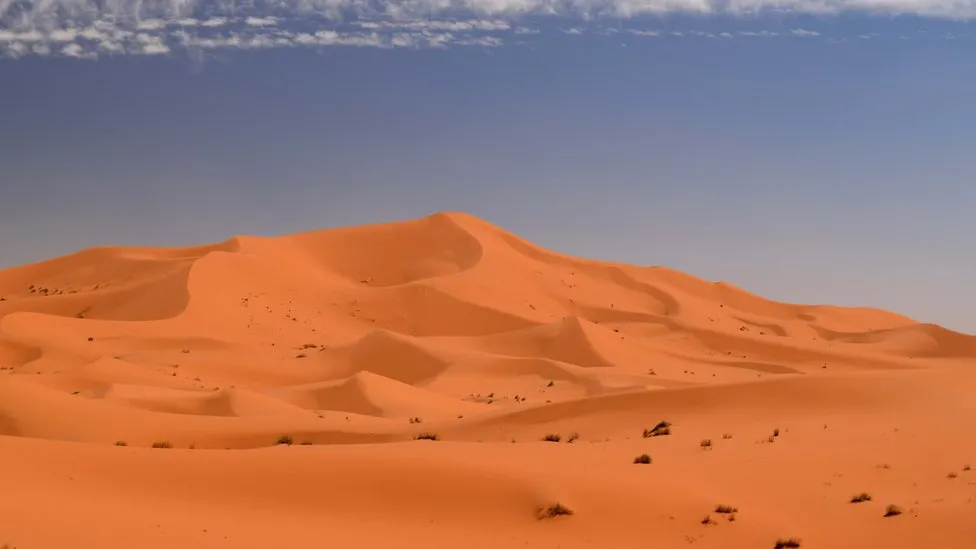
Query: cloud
{"type": "Point", "coordinates": [156, 14]}
{"type": "Point", "coordinates": [86, 29]}
{"type": "Point", "coordinates": [261, 21]}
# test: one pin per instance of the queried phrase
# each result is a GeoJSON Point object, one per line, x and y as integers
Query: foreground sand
{"type": "Point", "coordinates": [351, 342]}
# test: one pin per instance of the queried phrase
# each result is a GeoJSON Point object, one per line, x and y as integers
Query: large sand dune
{"type": "Point", "coordinates": [351, 342]}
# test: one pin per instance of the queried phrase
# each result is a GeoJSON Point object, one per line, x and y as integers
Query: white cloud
{"type": "Point", "coordinates": [214, 22]}
{"type": "Point", "coordinates": [261, 21]}
{"type": "Point", "coordinates": [16, 49]}
{"type": "Point", "coordinates": [87, 28]}
{"type": "Point", "coordinates": [484, 41]}
{"type": "Point", "coordinates": [63, 35]}
{"type": "Point", "coordinates": [436, 25]}
{"type": "Point", "coordinates": [151, 24]}
{"type": "Point", "coordinates": [155, 48]}
{"type": "Point", "coordinates": [28, 36]}
{"type": "Point", "coordinates": [76, 51]}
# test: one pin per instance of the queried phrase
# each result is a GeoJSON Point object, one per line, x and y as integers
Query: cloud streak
{"type": "Point", "coordinates": [155, 14]}
{"type": "Point", "coordinates": [90, 29]}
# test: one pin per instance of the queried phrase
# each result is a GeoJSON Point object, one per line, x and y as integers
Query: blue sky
{"type": "Point", "coordinates": [807, 151]}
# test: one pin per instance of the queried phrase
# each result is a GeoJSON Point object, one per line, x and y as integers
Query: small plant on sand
{"type": "Point", "coordinates": [860, 498]}
{"type": "Point", "coordinates": [706, 444]}
{"type": "Point", "coordinates": [725, 510]}
{"type": "Point", "coordinates": [552, 437]}
{"type": "Point", "coordinates": [790, 543]}
{"type": "Point", "coordinates": [553, 511]}
{"type": "Point", "coordinates": [162, 444]}
{"type": "Point", "coordinates": [285, 439]}
{"type": "Point", "coordinates": [726, 436]}
{"type": "Point", "coordinates": [661, 429]}
{"type": "Point", "coordinates": [572, 438]}
{"type": "Point", "coordinates": [427, 436]}
{"type": "Point", "coordinates": [892, 511]}
{"type": "Point", "coordinates": [643, 459]}
{"type": "Point", "coordinates": [707, 521]}
{"type": "Point", "coordinates": [966, 468]}
{"type": "Point", "coordinates": [952, 475]}
{"type": "Point", "coordinates": [416, 420]}
{"type": "Point", "coordinates": [121, 443]}
{"type": "Point", "coordinates": [775, 432]}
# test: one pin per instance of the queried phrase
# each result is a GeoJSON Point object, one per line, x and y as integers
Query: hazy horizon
{"type": "Point", "coordinates": [813, 155]}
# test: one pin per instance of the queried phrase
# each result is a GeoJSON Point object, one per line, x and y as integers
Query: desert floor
{"type": "Point", "coordinates": [350, 343]}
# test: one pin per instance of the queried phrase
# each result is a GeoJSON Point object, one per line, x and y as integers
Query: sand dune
{"type": "Point", "coordinates": [299, 369]}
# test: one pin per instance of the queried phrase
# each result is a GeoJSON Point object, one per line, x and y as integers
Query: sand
{"type": "Point", "coordinates": [349, 343]}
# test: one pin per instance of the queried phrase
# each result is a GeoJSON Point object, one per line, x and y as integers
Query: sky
{"type": "Point", "coordinates": [812, 151]}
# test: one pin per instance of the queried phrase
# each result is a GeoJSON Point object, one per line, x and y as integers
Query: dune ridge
{"type": "Point", "coordinates": [348, 343]}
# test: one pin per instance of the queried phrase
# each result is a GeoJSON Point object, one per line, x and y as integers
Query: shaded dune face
{"type": "Point", "coordinates": [355, 341]}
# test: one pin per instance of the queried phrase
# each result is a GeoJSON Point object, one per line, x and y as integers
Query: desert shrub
{"type": "Point", "coordinates": [862, 497]}
{"type": "Point", "coordinates": [427, 436]}
{"type": "Point", "coordinates": [643, 459]}
{"type": "Point", "coordinates": [162, 444]}
{"type": "Point", "coordinates": [552, 437]}
{"type": "Point", "coordinates": [661, 429]}
{"type": "Point", "coordinates": [553, 511]}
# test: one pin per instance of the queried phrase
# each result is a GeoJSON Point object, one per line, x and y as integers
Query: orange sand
{"type": "Point", "coordinates": [340, 338]}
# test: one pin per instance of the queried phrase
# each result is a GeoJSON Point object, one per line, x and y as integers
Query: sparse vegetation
{"type": "Point", "coordinates": [707, 520]}
{"type": "Point", "coordinates": [551, 384]}
{"type": "Point", "coordinates": [775, 432]}
{"type": "Point", "coordinates": [661, 429]}
{"type": "Point", "coordinates": [706, 443]}
{"type": "Point", "coordinates": [790, 543]}
{"type": "Point", "coordinates": [121, 443]}
{"type": "Point", "coordinates": [952, 475]}
{"type": "Point", "coordinates": [860, 498]}
{"type": "Point", "coordinates": [966, 468]}
{"type": "Point", "coordinates": [726, 436]}
{"type": "Point", "coordinates": [643, 459]}
{"type": "Point", "coordinates": [725, 509]}
{"type": "Point", "coordinates": [306, 443]}
{"type": "Point", "coordinates": [416, 420]}
{"type": "Point", "coordinates": [285, 439]}
{"type": "Point", "coordinates": [162, 444]}
{"type": "Point", "coordinates": [427, 436]}
{"type": "Point", "coordinates": [553, 511]}
{"type": "Point", "coordinates": [552, 437]}
{"type": "Point", "coordinates": [892, 511]}
{"type": "Point", "coordinates": [572, 438]}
